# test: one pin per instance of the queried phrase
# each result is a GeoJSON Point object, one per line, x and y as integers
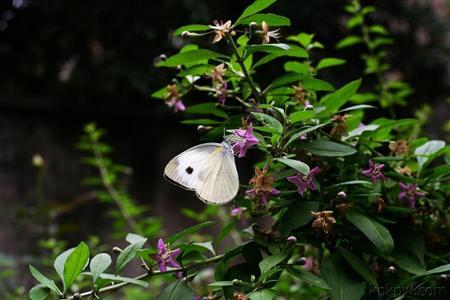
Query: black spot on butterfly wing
{"type": "Point", "coordinates": [189, 170]}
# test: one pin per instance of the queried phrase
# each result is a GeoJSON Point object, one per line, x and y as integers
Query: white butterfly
{"type": "Point", "coordinates": [208, 169]}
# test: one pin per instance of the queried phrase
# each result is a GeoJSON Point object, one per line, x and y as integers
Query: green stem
{"type": "Point", "coordinates": [240, 61]}
{"type": "Point", "coordinates": [116, 287]}
{"type": "Point", "coordinates": [111, 189]}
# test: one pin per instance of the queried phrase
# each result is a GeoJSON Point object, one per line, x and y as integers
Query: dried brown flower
{"type": "Point", "coordinates": [399, 147]}
{"type": "Point", "coordinates": [380, 205]}
{"type": "Point", "coordinates": [323, 220]}
{"type": "Point", "coordinates": [240, 296]}
{"type": "Point", "coordinates": [406, 170]}
{"type": "Point", "coordinates": [261, 181]}
{"type": "Point", "coordinates": [300, 94]}
{"type": "Point", "coordinates": [340, 129]}
{"type": "Point", "coordinates": [344, 207]}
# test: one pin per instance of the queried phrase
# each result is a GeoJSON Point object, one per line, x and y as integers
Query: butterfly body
{"type": "Point", "coordinates": [208, 169]}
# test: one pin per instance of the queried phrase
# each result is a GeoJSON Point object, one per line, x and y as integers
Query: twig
{"type": "Point", "coordinates": [116, 287]}
{"type": "Point", "coordinates": [111, 189]}
{"type": "Point", "coordinates": [240, 61]}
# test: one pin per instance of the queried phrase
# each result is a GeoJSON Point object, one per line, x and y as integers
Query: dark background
{"type": "Point", "coordinates": [65, 63]}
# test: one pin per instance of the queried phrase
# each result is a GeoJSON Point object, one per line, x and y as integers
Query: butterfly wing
{"type": "Point", "coordinates": [218, 179]}
{"type": "Point", "coordinates": [184, 168]}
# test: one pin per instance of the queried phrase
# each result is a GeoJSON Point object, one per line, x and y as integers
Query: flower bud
{"type": "Point", "coordinates": [309, 107]}
{"type": "Point", "coordinates": [253, 25]}
{"type": "Point", "coordinates": [252, 278]}
{"type": "Point", "coordinates": [117, 250]}
{"type": "Point", "coordinates": [301, 261]}
{"type": "Point", "coordinates": [391, 269]}
{"type": "Point", "coordinates": [76, 296]}
{"type": "Point", "coordinates": [342, 195]}
{"type": "Point", "coordinates": [163, 57]}
{"type": "Point", "coordinates": [37, 160]}
{"type": "Point", "coordinates": [292, 239]}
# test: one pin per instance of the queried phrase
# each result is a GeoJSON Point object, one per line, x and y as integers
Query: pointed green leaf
{"type": "Point", "coordinates": [254, 8]}
{"type": "Point", "coordinates": [188, 231]}
{"type": "Point", "coordinates": [39, 292]}
{"type": "Point", "coordinates": [189, 57]}
{"type": "Point", "coordinates": [374, 231]}
{"type": "Point", "coordinates": [344, 284]}
{"type": "Point", "coordinates": [99, 264]}
{"type": "Point", "coordinates": [44, 280]}
{"type": "Point", "coordinates": [295, 164]}
{"type": "Point", "coordinates": [360, 266]}
{"type": "Point", "coordinates": [272, 20]}
{"type": "Point", "coordinates": [329, 62]}
{"type": "Point", "coordinates": [271, 261]}
{"type": "Point", "coordinates": [308, 277]}
{"type": "Point", "coordinates": [324, 147]}
{"type": "Point", "coordinates": [128, 254]}
{"type": "Point", "coordinates": [75, 264]}
{"type": "Point", "coordinates": [191, 28]}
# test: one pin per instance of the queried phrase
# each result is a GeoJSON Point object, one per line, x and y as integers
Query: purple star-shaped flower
{"type": "Point", "coordinates": [304, 182]}
{"type": "Point", "coordinates": [166, 257]}
{"type": "Point", "coordinates": [374, 171]}
{"type": "Point", "coordinates": [244, 139]}
{"type": "Point", "coordinates": [262, 195]}
{"type": "Point", "coordinates": [409, 194]}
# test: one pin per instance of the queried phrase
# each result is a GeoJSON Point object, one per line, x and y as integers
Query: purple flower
{"type": "Point", "coordinates": [166, 257]}
{"type": "Point", "coordinates": [173, 98]}
{"type": "Point", "coordinates": [309, 264]}
{"type": "Point", "coordinates": [237, 211]}
{"type": "Point", "coordinates": [223, 93]}
{"type": "Point", "coordinates": [179, 106]}
{"type": "Point", "coordinates": [244, 139]}
{"type": "Point", "coordinates": [303, 181]}
{"type": "Point", "coordinates": [263, 196]}
{"type": "Point", "coordinates": [409, 194]}
{"type": "Point", "coordinates": [374, 171]}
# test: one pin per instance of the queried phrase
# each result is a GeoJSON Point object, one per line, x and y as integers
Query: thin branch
{"type": "Point", "coordinates": [116, 287]}
{"type": "Point", "coordinates": [240, 61]}
{"type": "Point", "coordinates": [111, 189]}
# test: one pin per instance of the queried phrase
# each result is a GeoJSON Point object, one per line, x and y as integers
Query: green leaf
{"type": "Point", "coordinates": [349, 41]}
{"type": "Point", "coordinates": [178, 290]}
{"type": "Point", "coordinates": [408, 262]}
{"type": "Point", "coordinates": [221, 283]}
{"type": "Point", "coordinates": [266, 294]}
{"type": "Point", "coordinates": [269, 121]}
{"type": "Point", "coordinates": [308, 277]}
{"type": "Point", "coordinates": [271, 261]}
{"type": "Point", "coordinates": [201, 122]}
{"type": "Point", "coordinates": [75, 264]}
{"type": "Point", "coordinates": [189, 57]}
{"type": "Point", "coordinates": [124, 279]}
{"type": "Point", "coordinates": [440, 269]}
{"type": "Point", "coordinates": [191, 28]}
{"type": "Point", "coordinates": [374, 231]}
{"type": "Point", "coordinates": [188, 231]}
{"type": "Point", "coordinates": [269, 48]}
{"type": "Point", "coordinates": [99, 264]}
{"type": "Point", "coordinates": [128, 254]}
{"type": "Point", "coordinates": [324, 147]}
{"type": "Point", "coordinates": [60, 261]}
{"type": "Point", "coordinates": [302, 38]}
{"type": "Point", "coordinates": [272, 20]}
{"type": "Point", "coordinates": [310, 83]}
{"type": "Point", "coordinates": [297, 135]}
{"type": "Point", "coordinates": [295, 164]}
{"type": "Point", "coordinates": [133, 238]}
{"type": "Point", "coordinates": [206, 108]}
{"type": "Point", "coordinates": [378, 29]}
{"type": "Point", "coordinates": [337, 99]}
{"type": "Point", "coordinates": [297, 215]}
{"type": "Point", "coordinates": [225, 232]}
{"type": "Point", "coordinates": [424, 152]}
{"type": "Point", "coordinates": [353, 182]}
{"type": "Point", "coordinates": [297, 67]}
{"type": "Point", "coordinates": [44, 280]}
{"type": "Point", "coordinates": [360, 266]}
{"type": "Point", "coordinates": [345, 285]}
{"type": "Point", "coordinates": [254, 8]}
{"type": "Point", "coordinates": [39, 292]}
{"type": "Point", "coordinates": [301, 116]}
{"type": "Point", "coordinates": [329, 62]}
